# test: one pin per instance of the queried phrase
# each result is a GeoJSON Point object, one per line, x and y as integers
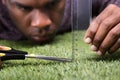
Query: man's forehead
{"type": "Point", "coordinates": [35, 2]}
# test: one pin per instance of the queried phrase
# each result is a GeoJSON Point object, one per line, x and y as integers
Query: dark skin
{"type": "Point", "coordinates": [104, 31]}
{"type": "Point", "coordinates": [38, 20]}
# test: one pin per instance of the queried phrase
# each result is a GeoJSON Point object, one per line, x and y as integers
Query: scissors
{"type": "Point", "coordinates": [8, 53]}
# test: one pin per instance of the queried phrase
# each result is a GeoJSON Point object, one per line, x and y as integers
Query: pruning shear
{"type": "Point", "coordinates": [8, 53]}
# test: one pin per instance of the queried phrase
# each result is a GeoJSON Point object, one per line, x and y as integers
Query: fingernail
{"type": "Point", "coordinates": [88, 40]}
{"type": "Point", "coordinates": [99, 53]}
{"type": "Point", "coordinates": [94, 48]}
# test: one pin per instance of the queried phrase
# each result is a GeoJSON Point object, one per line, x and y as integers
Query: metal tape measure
{"type": "Point", "coordinates": [81, 17]}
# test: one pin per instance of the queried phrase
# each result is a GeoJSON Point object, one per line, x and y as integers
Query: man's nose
{"type": "Point", "coordinates": [41, 21]}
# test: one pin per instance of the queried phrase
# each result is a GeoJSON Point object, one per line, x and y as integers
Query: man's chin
{"type": "Point", "coordinates": [41, 40]}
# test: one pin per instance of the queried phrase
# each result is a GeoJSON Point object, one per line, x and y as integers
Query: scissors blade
{"type": "Point", "coordinates": [52, 58]}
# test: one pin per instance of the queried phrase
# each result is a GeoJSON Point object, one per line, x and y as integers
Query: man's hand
{"type": "Point", "coordinates": [104, 31]}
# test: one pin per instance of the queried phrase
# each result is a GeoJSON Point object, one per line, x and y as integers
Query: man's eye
{"type": "Point", "coordinates": [24, 8]}
{"type": "Point", "coordinates": [51, 5]}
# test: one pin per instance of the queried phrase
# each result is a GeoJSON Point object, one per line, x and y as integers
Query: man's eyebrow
{"type": "Point", "coordinates": [54, 0]}
{"type": "Point", "coordinates": [19, 3]}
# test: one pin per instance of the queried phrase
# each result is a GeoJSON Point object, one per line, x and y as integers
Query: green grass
{"type": "Point", "coordinates": [85, 66]}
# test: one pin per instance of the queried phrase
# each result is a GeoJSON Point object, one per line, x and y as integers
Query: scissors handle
{"type": "Point", "coordinates": [7, 53]}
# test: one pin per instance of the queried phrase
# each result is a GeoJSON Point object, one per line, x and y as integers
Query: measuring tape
{"type": "Point", "coordinates": [81, 17]}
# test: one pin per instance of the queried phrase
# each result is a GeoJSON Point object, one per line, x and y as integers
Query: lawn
{"type": "Point", "coordinates": [86, 65]}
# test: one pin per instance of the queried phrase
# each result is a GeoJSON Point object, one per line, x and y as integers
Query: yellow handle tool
{"type": "Point", "coordinates": [7, 53]}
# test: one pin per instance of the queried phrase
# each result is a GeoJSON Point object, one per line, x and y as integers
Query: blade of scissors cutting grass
{"type": "Point", "coordinates": [49, 58]}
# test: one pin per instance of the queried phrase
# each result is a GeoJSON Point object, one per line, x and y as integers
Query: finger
{"type": "Point", "coordinates": [115, 47]}
{"type": "Point", "coordinates": [105, 27]}
{"type": "Point", "coordinates": [91, 31]}
{"type": "Point", "coordinates": [110, 40]}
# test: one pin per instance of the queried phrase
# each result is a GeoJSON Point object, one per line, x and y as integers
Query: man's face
{"type": "Point", "coordinates": [38, 20]}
